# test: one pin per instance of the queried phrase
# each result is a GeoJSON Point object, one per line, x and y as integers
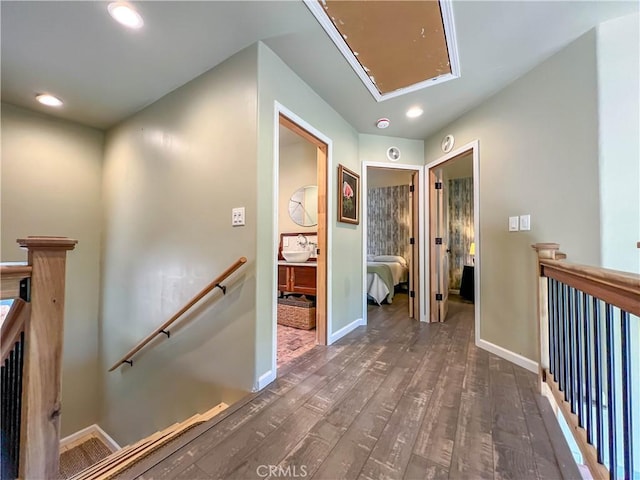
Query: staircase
{"type": "Point", "coordinates": [128, 456]}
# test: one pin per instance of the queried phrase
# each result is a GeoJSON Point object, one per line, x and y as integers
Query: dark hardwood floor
{"type": "Point", "coordinates": [395, 400]}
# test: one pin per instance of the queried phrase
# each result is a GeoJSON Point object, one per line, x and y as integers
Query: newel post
{"type": "Point", "coordinates": [41, 405]}
{"type": "Point", "coordinates": [544, 251]}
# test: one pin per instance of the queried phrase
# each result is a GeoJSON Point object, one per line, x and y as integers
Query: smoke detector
{"type": "Point", "coordinates": [383, 123]}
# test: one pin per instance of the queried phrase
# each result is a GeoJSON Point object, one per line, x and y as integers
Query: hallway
{"type": "Point", "coordinates": [396, 399]}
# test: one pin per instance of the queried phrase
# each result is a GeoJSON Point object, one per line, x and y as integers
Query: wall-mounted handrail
{"type": "Point", "coordinates": [10, 277]}
{"type": "Point", "coordinates": [163, 329]}
{"type": "Point", "coordinates": [587, 357]}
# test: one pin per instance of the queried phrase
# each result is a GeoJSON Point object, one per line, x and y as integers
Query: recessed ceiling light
{"type": "Point", "coordinates": [125, 14]}
{"type": "Point", "coordinates": [49, 100]}
{"type": "Point", "coordinates": [414, 112]}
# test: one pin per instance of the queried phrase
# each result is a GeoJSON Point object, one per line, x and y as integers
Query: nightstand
{"type": "Point", "coordinates": [467, 283]}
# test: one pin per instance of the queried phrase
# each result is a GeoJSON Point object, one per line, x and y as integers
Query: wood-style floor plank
{"type": "Point", "coordinates": [395, 399]}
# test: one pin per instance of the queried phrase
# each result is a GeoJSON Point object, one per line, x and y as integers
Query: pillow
{"type": "Point", "coordinates": [390, 258]}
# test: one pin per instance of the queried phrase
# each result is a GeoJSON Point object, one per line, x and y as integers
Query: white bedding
{"type": "Point", "coordinates": [377, 288]}
{"type": "Point", "coordinates": [400, 272]}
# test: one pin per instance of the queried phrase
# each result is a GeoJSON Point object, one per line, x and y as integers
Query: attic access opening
{"type": "Point", "coordinates": [395, 47]}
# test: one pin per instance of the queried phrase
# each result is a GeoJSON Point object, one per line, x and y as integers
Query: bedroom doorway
{"type": "Point", "coordinates": [300, 322]}
{"type": "Point", "coordinates": [391, 236]}
{"type": "Point", "coordinates": [453, 231]}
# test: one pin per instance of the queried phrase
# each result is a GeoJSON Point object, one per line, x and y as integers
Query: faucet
{"type": "Point", "coordinates": [302, 241]}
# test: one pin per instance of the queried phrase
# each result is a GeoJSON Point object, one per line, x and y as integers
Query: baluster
{"type": "Point", "coordinates": [565, 341]}
{"type": "Point", "coordinates": [597, 330]}
{"type": "Point", "coordinates": [552, 333]}
{"type": "Point", "coordinates": [587, 363]}
{"type": "Point", "coordinates": [579, 356]}
{"type": "Point", "coordinates": [14, 430]}
{"type": "Point", "coordinates": [18, 397]}
{"type": "Point", "coordinates": [559, 359]}
{"type": "Point", "coordinates": [611, 381]}
{"type": "Point", "coordinates": [4, 465]}
{"type": "Point", "coordinates": [571, 383]}
{"type": "Point", "coordinates": [627, 424]}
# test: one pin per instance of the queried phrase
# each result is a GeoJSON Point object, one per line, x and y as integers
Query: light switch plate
{"type": "Point", "coordinates": [237, 216]}
{"type": "Point", "coordinates": [513, 224]}
{"type": "Point", "coordinates": [525, 222]}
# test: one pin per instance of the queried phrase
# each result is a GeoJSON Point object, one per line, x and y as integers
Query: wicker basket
{"type": "Point", "coordinates": [297, 313]}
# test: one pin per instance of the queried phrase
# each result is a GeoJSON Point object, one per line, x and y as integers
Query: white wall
{"type": "Point", "coordinates": [619, 126]}
{"type": "Point", "coordinates": [538, 156]}
{"type": "Point", "coordinates": [277, 82]}
{"type": "Point", "coordinates": [51, 185]}
{"type": "Point", "coordinates": [173, 172]}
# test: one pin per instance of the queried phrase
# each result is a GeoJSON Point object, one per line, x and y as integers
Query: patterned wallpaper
{"type": "Point", "coordinates": [388, 221]}
{"type": "Point", "coordinates": [460, 212]}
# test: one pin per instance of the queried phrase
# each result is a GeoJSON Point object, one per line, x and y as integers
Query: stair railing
{"type": "Point", "coordinates": [164, 328]}
{"type": "Point", "coordinates": [31, 350]}
{"type": "Point", "coordinates": [590, 358]}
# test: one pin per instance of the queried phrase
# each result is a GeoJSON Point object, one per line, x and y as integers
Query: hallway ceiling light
{"type": "Point", "coordinates": [383, 123]}
{"type": "Point", "coordinates": [414, 112]}
{"type": "Point", "coordinates": [49, 100]}
{"type": "Point", "coordinates": [125, 14]}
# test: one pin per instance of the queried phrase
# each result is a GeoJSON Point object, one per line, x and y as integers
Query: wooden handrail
{"type": "Point", "coordinates": [14, 324]}
{"type": "Point", "coordinates": [620, 289]}
{"type": "Point", "coordinates": [575, 335]}
{"type": "Point", "coordinates": [163, 328]}
{"type": "Point", "coordinates": [11, 276]}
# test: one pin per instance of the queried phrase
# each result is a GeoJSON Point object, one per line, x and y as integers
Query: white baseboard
{"type": "Point", "coordinates": [264, 380]}
{"type": "Point", "coordinates": [519, 360]}
{"type": "Point", "coordinates": [344, 330]}
{"type": "Point", "coordinates": [91, 431]}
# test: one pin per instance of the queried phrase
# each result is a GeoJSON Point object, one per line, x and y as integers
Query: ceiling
{"type": "Point", "coordinates": [105, 73]}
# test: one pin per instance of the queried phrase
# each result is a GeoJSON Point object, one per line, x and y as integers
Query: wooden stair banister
{"type": "Point", "coordinates": [11, 276]}
{"type": "Point", "coordinates": [163, 329]}
{"type": "Point", "coordinates": [579, 307]}
{"type": "Point", "coordinates": [33, 333]}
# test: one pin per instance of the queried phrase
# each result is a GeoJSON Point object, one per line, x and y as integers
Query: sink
{"type": "Point", "coordinates": [296, 255]}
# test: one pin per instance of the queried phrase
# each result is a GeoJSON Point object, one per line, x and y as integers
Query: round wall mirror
{"type": "Point", "coordinates": [303, 206]}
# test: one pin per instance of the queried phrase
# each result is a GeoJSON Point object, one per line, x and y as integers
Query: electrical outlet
{"type": "Point", "coordinates": [513, 224]}
{"type": "Point", "coordinates": [237, 216]}
{"type": "Point", "coordinates": [525, 222]}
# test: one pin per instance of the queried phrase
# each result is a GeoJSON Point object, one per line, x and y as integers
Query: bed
{"type": "Point", "coordinates": [384, 272]}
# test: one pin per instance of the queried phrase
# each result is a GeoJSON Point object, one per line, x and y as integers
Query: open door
{"type": "Point", "coordinates": [439, 250]}
{"type": "Point", "coordinates": [414, 240]}
{"type": "Point", "coordinates": [322, 153]}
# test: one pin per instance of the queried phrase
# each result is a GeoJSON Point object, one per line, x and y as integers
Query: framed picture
{"type": "Point", "coordinates": [348, 196]}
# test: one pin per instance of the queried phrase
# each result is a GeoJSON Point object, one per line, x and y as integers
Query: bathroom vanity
{"type": "Point", "coordinates": [297, 277]}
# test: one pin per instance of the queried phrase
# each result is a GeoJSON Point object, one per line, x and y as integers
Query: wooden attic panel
{"type": "Point", "coordinates": [399, 43]}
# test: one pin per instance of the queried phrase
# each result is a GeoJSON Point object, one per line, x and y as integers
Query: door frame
{"type": "Point", "coordinates": [473, 147]}
{"type": "Point", "coordinates": [421, 228]}
{"type": "Point", "coordinates": [324, 143]}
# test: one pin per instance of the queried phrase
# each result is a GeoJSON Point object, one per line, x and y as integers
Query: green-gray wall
{"type": "Point", "coordinates": [51, 185]}
{"type": "Point", "coordinates": [538, 142]}
{"type": "Point", "coordinates": [373, 148]}
{"type": "Point", "coordinates": [172, 174]}
{"type": "Point", "coordinates": [277, 82]}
